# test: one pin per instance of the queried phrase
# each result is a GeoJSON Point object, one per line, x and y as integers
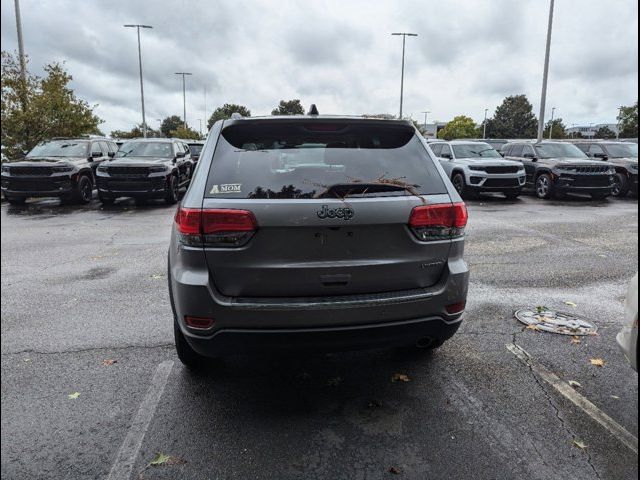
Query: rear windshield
{"type": "Point", "coordinates": [195, 149]}
{"type": "Point", "coordinates": [475, 150]}
{"type": "Point", "coordinates": [316, 160]}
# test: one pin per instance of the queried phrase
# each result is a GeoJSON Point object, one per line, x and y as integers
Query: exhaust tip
{"type": "Point", "coordinates": [425, 342]}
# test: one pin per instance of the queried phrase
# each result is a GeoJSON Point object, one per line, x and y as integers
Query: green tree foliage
{"type": "Point", "coordinates": [170, 124]}
{"type": "Point", "coordinates": [604, 132]}
{"type": "Point", "coordinates": [460, 127]}
{"type": "Point", "coordinates": [185, 133]}
{"type": "Point", "coordinates": [558, 129]}
{"type": "Point", "coordinates": [136, 132]}
{"type": "Point", "coordinates": [289, 107]}
{"type": "Point", "coordinates": [40, 108]}
{"type": "Point", "coordinates": [628, 120]}
{"type": "Point", "coordinates": [225, 111]}
{"type": "Point", "coordinates": [514, 118]}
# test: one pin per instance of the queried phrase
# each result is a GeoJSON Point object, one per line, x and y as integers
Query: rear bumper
{"type": "Point", "coordinates": [228, 341]}
{"type": "Point", "coordinates": [346, 322]}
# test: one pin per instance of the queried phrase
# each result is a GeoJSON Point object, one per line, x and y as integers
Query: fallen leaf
{"type": "Point", "coordinates": [108, 362]}
{"type": "Point", "coordinates": [27, 359]}
{"type": "Point", "coordinates": [615, 397]}
{"type": "Point", "coordinates": [74, 395]}
{"type": "Point", "coordinates": [575, 384]}
{"type": "Point", "coordinates": [334, 382]}
{"type": "Point", "coordinates": [395, 470]}
{"type": "Point", "coordinates": [598, 362]}
{"type": "Point", "coordinates": [534, 327]}
{"type": "Point", "coordinates": [576, 339]}
{"type": "Point", "coordinates": [400, 377]}
{"type": "Point", "coordinates": [571, 304]}
{"type": "Point", "coordinates": [157, 276]}
{"type": "Point", "coordinates": [579, 444]}
{"type": "Point", "coordinates": [163, 459]}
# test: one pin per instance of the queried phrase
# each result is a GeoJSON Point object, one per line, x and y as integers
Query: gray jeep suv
{"type": "Point", "coordinates": [315, 232]}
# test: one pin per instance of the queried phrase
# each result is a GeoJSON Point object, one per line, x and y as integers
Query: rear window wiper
{"type": "Point", "coordinates": [343, 190]}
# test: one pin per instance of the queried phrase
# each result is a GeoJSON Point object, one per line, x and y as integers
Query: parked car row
{"type": "Point", "coordinates": [552, 169]}
{"type": "Point", "coordinates": [71, 168]}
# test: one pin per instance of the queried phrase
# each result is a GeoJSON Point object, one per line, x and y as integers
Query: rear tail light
{"type": "Point", "coordinates": [438, 222]}
{"type": "Point", "coordinates": [214, 227]}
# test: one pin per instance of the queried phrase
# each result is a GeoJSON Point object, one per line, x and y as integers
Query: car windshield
{"type": "Point", "coordinates": [622, 150]}
{"type": "Point", "coordinates": [195, 148]}
{"type": "Point", "coordinates": [312, 160]}
{"type": "Point", "coordinates": [475, 150]}
{"type": "Point", "coordinates": [559, 150]}
{"type": "Point", "coordinates": [60, 148]}
{"type": "Point", "coordinates": [145, 149]}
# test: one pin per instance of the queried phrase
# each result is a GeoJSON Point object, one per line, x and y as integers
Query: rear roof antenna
{"type": "Point", "coordinates": [313, 110]}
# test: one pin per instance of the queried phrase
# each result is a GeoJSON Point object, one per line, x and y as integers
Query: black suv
{"type": "Point", "coordinates": [59, 167]}
{"type": "Point", "coordinates": [195, 147]}
{"type": "Point", "coordinates": [557, 168]}
{"type": "Point", "coordinates": [623, 156]}
{"type": "Point", "coordinates": [146, 168]}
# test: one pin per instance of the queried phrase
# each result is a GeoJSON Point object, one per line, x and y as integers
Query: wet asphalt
{"type": "Point", "coordinates": [85, 284]}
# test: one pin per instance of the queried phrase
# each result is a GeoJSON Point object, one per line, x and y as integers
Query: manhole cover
{"type": "Point", "coordinates": [556, 322]}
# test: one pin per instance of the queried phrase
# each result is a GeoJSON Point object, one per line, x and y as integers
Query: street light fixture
{"type": "Point", "coordinates": [184, 96]}
{"type": "Point", "coordinates": [404, 37]}
{"type": "Point", "coordinates": [138, 27]}
{"type": "Point", "coordinates": [545, 74]}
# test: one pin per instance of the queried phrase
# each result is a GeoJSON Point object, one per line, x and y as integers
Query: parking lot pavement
{"type": "Point", "coordinates": [81, 285]}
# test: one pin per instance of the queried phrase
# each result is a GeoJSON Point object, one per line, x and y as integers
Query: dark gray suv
{"type": "Point", "coordinates": [316, 232]}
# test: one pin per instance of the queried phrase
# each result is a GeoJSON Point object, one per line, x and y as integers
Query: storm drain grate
{"type": "Point", "coordinates": [556, 322]}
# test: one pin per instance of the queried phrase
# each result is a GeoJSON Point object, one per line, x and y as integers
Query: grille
{"type": "Point", "coordinates": [501, 182]}
{"type": "Point", "coordinates": [31, 171]}
{"type": "Point", "coordinates": [589, 181]}
{"type": "Point", "coordinates": [503, 169]}
{"type": "Point", "coordinates": [129, 171]}
{"type": "Point", "coordinates": [35, 184]}
{"type": "Point", "coordinates": [593, 169]}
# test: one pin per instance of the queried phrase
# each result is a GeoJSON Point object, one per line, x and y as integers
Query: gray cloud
{"type": "Point", "coordinates": [469, 54]}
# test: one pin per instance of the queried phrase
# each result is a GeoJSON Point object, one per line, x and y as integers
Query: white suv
{"type": "Point", "coordinates": [476, 167]}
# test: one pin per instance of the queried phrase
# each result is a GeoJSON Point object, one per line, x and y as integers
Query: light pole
{"type": "Point", "coordinates": [23, 63]}
{"type": "Point", "coordinates": [200, 121]}
{"type": "Point", "coordinates": [545, 75]}
{"type": "Point", "coordinates": [404, 37]}
{"type": "Point", "coordinates": [205, 104]}
{"type": "Point", "coordinates": [553, 111]}
{"type": "Point", "coordinates": [144, 122]}
{"type": "Point", "coordinates": [484, 128]}
{"type": "Point", "coordinates": [184, 96]}
{"type": "Point", "coordinates": [618, 122]}
{"type": "Point", "coordinates": [425, 120]}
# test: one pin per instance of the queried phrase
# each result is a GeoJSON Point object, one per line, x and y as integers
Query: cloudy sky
{"type": "Point", "coordinates": [338, 54]}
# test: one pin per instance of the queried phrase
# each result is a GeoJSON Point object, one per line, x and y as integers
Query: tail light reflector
{"type": "Point", "coordinates": [439, 222]}
{"type": "Point", "coordinates": [456, 308]}
{"type": "Point", "coordinates": [214, 227]}
{"type": "Point", "coordinates": [202, 323]}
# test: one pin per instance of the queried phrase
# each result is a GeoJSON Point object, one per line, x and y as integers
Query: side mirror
{"type": "Point", "coordinates": [531, 157]}
{"type": "Point", "coordinates": [180, 155]}
{"type": "Point", "coordinates": [601, 156]}
{"type": "Point", "coordinates": [447, 155]}
{"type": "Point", "coordinates": [111, 154]}
{"type": "Point", "coordinates": [96, 154]}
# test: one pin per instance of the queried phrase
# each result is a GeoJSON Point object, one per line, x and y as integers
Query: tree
{"type": "Point", "coordinates": [185, 133]}
{"type": "Point", "coordinates": [169, 124]}
{"type": "Point", "coordinates": [459, 127]}
{"type": "Point", "coordinates": [289, 107]}
{"type": "Point", "coordinates": [628, 121]}
{"type": "Point", "coordinates": [225, 111]}
{"type": "Point", "coordinates": [40, 108]}
{"type": "Point", "coordinates": [136, 132]}
{"type": "Point", "coordinates": [558, 129]}
{"type": "Point", "coordinates": [604, 132]}
{"type": "Point", "coordinates": [513, 119]}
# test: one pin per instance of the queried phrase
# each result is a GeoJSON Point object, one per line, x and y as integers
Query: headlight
{"type": "Point", "coordinates": [633, 168]}
{"type": "Point", "coordinates": [611, 171]}
{"type": "Point", "coordinates": [158, 169]}
{"type": "Point", "coordinates": [5, 168]}
{"type": "Point", "coordinates": [67, 168]}
{"type": "Point", "coordinates": [476, 169]}
{"type": "Point", "coordinates": [103, 169]}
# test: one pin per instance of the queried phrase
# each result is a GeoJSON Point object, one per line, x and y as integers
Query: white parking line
{"type": "Point", "coordinates": [578, 400]}
{"type": "Point", "coordinates": [128, 453]}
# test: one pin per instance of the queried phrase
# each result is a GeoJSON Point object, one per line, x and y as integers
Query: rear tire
{"type": "Point", "coordinates": [621, 186]}
{"type": "Point", "coordinates": [544, 187]}
{"type": "Point", "coordinates": [171, 193]}
{"type": "Point", "coordinates": [84, 190]}
{"type": "Point", "coordinates": [16, 200]}
{"type": "Point", "coordinates": [187, 355]}
{"type": "Point", "coordinates": [461, 187]}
